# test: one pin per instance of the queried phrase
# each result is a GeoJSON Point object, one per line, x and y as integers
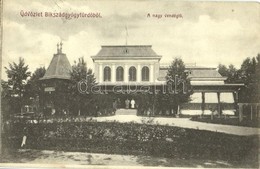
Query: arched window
{"type": "Point", "coordinates": [119, 74]}
{"type": "Point", "coordinates": [107, 74]}
{"type": "Point", "coordinates": [132, 73]}
{"type": "Point", "coordinates": [145, 73]}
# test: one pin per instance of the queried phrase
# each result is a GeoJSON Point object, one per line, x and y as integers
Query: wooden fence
{"type": "Point", "coordinates": [248, 110]}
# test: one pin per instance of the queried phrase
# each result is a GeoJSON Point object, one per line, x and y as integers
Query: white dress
{"type": "Point", "coordinates": [132, 104]}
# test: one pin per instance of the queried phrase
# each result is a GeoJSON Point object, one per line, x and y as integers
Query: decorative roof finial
{"type": "Point", "coordinates": [61, 46]}
{"type": "Point", "coordinates": [58, 50]}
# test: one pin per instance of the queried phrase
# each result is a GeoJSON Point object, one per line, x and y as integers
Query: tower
{"type": "Point", "coordinates": [55, 83]}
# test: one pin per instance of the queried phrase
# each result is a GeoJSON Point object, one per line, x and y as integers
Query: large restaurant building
{"type": "Point", "coordinates": [135, 66]}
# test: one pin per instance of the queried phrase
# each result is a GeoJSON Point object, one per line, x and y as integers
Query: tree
{"type": "Point", "coordinates": [34, 83]}
{"type": "Point", "coordinates": [5, 100]}
{"type": "Point", "coordinates": [170, 98]}
{"type": "Point", "coordinates": [178, 85]}
{"type": "Point", "coordinates": [223, 70]}
{"type": "Point", "coordinates": [149, 103]}
{"type": "Point", "coordinates": [82, 79]}
{"type": "Point", "coordinates": [17, 78]}
{"type": "Point", "coordinates": [248, 69]}
{"type": "Point", "coordinates": [257, 71]}
{"type": "Point", "coordinates": [250, 76]}
{"type": "Point", "coordinates": [33, 88]}
{"type": "Point", "coordinates": [232, 74]}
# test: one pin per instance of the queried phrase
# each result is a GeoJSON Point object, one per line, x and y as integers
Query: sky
{"type": "Point", "coordinates": [208, 33]}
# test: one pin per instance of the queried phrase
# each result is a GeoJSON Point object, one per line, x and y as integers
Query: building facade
{"type": "Point", "coordinates": [138, 67]}
{"type": "Point", "coordinates": [126, 65]}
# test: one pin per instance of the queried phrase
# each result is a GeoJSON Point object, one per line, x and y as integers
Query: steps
{"type": "Point", "coordinates": [126, 112]}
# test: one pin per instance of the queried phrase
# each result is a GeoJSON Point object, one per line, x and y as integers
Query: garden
{"type": "Point", "coordinates": [134, 139]}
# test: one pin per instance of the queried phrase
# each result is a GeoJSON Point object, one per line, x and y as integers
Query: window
{"type": "Point", "coordinates": [107, 74]}
{"type": "Point", "coordinates": [145, 73]}
{"type": "Point", "coordinates": [132, 73]}
{"type": "Point", "coordinates": [227, 97]}
{"type": "Point", "coordinates": [211, 97]}
{"type": "Point", "coordinates": [119, 74]}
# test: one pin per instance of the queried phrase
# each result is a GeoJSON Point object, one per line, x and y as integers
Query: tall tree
{"type": "Point", "coordinates": [223, 70]}
{"type": "Point", "coordinates": [179, 88]}
{"type": "Point", "coordinates": [250, 76]}
{"type": "Point", "coordinates": [33, 87]}
{"type": "Point", "coordinates": [248, 70]}
{"type": "Point", "coordinates": [82, 80]}
{"type": "Point", "coordinates": [232, 74]}
{"type": "Point", "coordinates": [17, 74]}
{"type": "Point", "coordinates": [257, 71]}
{"type": "Point", "coordinates": [6, 107]}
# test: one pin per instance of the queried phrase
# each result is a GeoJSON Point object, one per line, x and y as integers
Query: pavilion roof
{"type": "Point", "coordinates": [204, 73]}
{"type": "Point", "coordinates": [194, 72]}
{"type": "Point", "coordinates": [59, 68]}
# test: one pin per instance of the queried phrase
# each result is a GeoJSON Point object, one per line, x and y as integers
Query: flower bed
{"type": "Point", "coordinates": [136, 139]}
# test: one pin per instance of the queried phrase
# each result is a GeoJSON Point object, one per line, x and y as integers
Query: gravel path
{"type": "Point", "coordinates": [61, 159]}
{"type": "Point", "coordinates": [183, 122]}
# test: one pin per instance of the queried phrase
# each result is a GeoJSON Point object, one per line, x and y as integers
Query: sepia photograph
{"type": "Point", "coordinates": [129, 84]}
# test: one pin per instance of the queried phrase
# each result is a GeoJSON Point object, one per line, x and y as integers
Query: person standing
{"type": "Point", "coordinates": [25, 133]}
{"type": "Point", "coordinates": [119, 103]}
{"type": "Point", "coordinates": [96, 111]}
{"type": "Point", "coordinates": [132, 103]}
{"type": "Point", "coordinates": [114, 106]}
{"type": "Point", "coordinates": [127, 104]}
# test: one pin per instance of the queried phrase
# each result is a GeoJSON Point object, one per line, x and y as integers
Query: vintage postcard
{"type": "Point", "coordinates": [129, 84]}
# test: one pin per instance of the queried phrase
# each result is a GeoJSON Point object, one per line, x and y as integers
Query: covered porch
{"type": "Point", "coordinates": [219, 99]}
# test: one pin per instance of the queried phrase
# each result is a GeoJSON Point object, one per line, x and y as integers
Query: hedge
{"type": "Point", "coordinates": [136, 139]}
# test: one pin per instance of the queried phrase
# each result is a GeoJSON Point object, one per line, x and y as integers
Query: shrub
{"type": "Point", "coordinates": [131, 138]}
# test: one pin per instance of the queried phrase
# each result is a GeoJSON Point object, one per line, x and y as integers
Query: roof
{"type": "Point", "coordinates": [194, 72]}
{"type": "Point", "coordinates": [126, 51]}
{"type": "Point", "coordinates": [204, 73]}
{"type": "Point", "coordinates": [188, 67]}
{"type": "Point", "coordinates": [59, 68]}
